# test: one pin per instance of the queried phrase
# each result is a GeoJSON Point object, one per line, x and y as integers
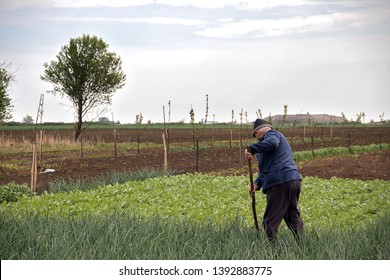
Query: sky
{"type": "Point", "coordinates": [316, 56]}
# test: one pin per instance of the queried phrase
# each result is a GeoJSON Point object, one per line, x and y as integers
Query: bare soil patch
{"type": "Point", "coordinates": [363, 166]}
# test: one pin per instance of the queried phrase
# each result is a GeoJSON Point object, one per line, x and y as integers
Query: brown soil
{"type": "Point", "coordinates": [364, 166]}
{"type": "Point", "coordinates": [224, 161]}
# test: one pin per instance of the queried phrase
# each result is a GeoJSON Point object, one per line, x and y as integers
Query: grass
{"type": "Point", "coordinates": [127, 236]}
{"type": "Point", "coordinates": [339, 151]}
{"type": "Point", "coordinates": [63, 185]}
{"type": "Point", "coordinates": [52, 144]}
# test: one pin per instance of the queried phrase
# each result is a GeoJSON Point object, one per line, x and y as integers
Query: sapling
{"type": "Point", "coordinates": [259, 114]}
{"type": "Point", "coordinates": [270, 119]}
{"type": "Point", "coordinates": [114, 134]}
{"type": "Point", "coordinates": [247, 124]}
{"type": "Point", "coordinates": [231, 128]}
{"type": "Point", "coordinates": [345, 122]}
{"type": "Point", "coordinates": [240, 136]}
{"type": "Point", "coordinates": [196, 136]}
{"type": "Point", "coordinates": [311, 125]}
{"type": "Point", "coordinates": [37, 148]}
{"type": "Point", "coordinates": [382, 120]}
{"type": "Point", "coordinates": [212, 135]}
{"type": "Point", "coordinates": [284, 117]}
{"type": "Point", "coordinates": [332, 120]}
{"type": "Point", "coordinates": [292, 132]}
{"type": "Point", "coordinates": [138, 121]}
{"type": "Point", "coordinates": [167, 130]}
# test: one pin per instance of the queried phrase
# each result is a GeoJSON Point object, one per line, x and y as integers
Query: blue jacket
{"type": "Point", "coordinates": [275, 160]}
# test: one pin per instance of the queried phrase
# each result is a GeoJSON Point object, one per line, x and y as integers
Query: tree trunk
{"type": "Point", "coordinates": [79, 123]}
{"type": "Point", "coordinates": [78, 126]}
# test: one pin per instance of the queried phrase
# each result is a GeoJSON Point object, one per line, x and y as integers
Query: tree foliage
{"type": "Point", "coordinates": [6, 79]}
{"type": "Point", "coordinates": [28, 119]}
{"type": "Point", "coordinates": [87, 74]}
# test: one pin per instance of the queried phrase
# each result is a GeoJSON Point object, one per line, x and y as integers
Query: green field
{"type": "Point", "coordinates": [195, 216]}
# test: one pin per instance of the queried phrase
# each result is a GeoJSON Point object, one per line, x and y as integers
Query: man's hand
{"type": "Point", "coordinates": [252, 193]}
{"type": "Point", "coordinates": [248, 155]}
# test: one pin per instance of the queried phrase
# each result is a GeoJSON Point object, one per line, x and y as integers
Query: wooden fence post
{"type": "Point", "coordinates": [81, 146]}
{"type": "Point", "coordinates": [34, 169]}
{"type": "Point", "coordinates": [331, 134]}
{"type": "Point", "coordinates": [349, 142]}
{"type": "Point", "coordinates": [115, 148]}
{"type": "Point", "coordinates": [40, 140]}
{"type": "Point", "coordinates": [231, 137]}
{"type": "Point", "coordinates": [165, 153]}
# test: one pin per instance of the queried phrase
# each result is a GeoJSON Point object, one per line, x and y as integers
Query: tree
{"type": "Point", "coordinates": [104, 120]}
{"type": "Point", "coordinates": [6, 79]}
{"type": "Point", "coordinates": [88, 74]}
{"type": "Point", "coordinates": [28, 120]}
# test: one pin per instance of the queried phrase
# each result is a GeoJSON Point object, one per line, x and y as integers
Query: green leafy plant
{"type": "Point", "coordinates": [335, 203]}
{"type": "Point", "coordinates": [195, 216]}
{"type": "Point", "coordinates": [12, 192]}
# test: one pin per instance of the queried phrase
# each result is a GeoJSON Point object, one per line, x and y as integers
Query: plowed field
{"type": "Point", "coordinates": [215, 154]}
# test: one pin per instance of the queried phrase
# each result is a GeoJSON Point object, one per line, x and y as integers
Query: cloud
{"type": "Point", "coordinates": [206, 4]}
{"type": "Point", "coordinates": [296, 25]}
{"type": "Point", "coordinates": [249, 4]}
{"type": "Point", "coordinates": [150, 20]}
{"type": "Point", "coordinates": [21, 4]}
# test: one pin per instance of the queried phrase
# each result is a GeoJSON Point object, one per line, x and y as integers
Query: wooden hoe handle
{"type": "Point", "coordinates": [253, 194]}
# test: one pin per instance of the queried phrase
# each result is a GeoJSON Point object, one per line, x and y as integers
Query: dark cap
{"type": "Point", "coordinates": [260, 123]}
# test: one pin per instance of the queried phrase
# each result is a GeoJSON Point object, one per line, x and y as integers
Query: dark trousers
{"type": "Point", "coordinates": [282, 203]}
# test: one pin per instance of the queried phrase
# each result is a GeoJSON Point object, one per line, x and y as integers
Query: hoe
{"type": "Point", "coordinates": [253, 195]}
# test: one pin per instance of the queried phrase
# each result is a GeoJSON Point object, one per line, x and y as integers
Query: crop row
{"type": "Point", "coordinates": [194, 217]}
{"type": "Point", "coordinates": [335, 203]}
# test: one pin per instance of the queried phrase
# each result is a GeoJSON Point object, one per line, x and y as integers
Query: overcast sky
{"type": "Point", "coordinates": [315, 56]}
